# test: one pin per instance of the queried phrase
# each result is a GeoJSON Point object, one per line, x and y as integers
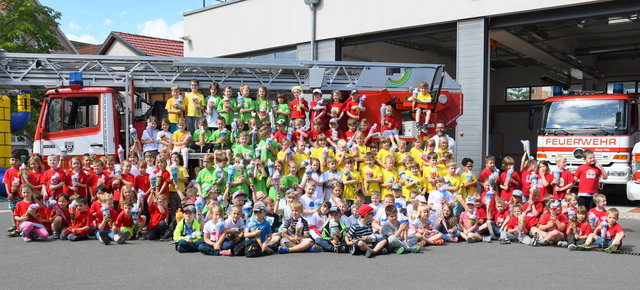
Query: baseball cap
{"type": "Point", "coordinates": [334, 209]}
{"type": "Point", "coordinates": [517, 192]}
{"type": "Point", "coordinates": [396, 186]}
{"type": "Point", "coordinates": [354, 91]}
{"type": "Point", "coordinates": [317, 91]}
{"type": "Point", "coordinates": [281, 122]}
{"type": "Point", "coordinates": [188, 205]}
{"type": "Point", "coordinates": [259, 206]}
{"type": "Point", "coordinates": [238, 193]}
{"type": "Point", "coordinates": [333, 120]}
{"type": "Point", "coordinates": [420, 198]}
{"type": "Point", "coordinates": [364, 210]}
{"type": "Point", "coordinates": [471, 200]}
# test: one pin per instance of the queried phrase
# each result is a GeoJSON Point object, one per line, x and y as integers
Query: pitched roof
{"type": "Point", "coordinates": [146, 45]}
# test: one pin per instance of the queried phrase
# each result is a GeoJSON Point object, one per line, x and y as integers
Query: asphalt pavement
{"type": "Point", "coordinates": [149, 264]}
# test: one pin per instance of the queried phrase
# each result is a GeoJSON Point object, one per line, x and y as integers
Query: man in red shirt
{"type": "Point", "coordinates": [353, 107]}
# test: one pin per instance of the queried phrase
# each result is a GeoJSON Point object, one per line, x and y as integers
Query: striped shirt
{"type": "Point", "coordinates": [358, 230]}
{"type": "Point", "coordinates": [296, 227]}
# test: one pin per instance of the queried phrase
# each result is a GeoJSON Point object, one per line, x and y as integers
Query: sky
{"type": "Point", "coordinates": [92, 21]}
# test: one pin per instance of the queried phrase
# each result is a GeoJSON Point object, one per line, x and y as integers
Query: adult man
{"type": "Point", "coordinates": [440, 129]}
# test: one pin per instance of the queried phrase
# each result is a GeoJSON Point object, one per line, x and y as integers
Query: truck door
{"type": "Point", "coordinates": [73, 122]}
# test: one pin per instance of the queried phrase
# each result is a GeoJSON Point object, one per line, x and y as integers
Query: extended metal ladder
{"type": "Point", "coordinates": [22, 71]}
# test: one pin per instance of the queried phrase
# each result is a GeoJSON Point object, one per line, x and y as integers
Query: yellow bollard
{"type": "Point", "coordinates": [5, 131]}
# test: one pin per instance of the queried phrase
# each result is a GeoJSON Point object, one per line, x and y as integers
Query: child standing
{"type": "Point", "coordinates": [175, 107]}
{"type": "Point", "coordinates": [588, 177]}
{"type": "Point", "coordinates": [562, 179]}
{"type": "Point", "coordinates": [299, 106]}
{"type": "Point", "coordinates": [195, 106]}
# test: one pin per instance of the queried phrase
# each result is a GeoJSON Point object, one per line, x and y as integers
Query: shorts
{"type": "Point", "coordinates": [283, 241]}
{"type": "Point", "coordinates": [389, 133]}
{"type": "Point", "coordinates": [600, 241]}
{"type": "Point", "coordinates": [126, 229]}
{"type": "Point", "coordinates": [14, 202]}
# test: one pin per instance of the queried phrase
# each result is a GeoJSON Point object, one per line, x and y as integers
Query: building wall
{"type": "Point", "coordinates": [119, 49]}
{"type": "Point", "coordinates": [252, 25]}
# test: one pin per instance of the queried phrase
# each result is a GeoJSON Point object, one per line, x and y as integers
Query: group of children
{"type": "Point", "coordinates": [260, 190]}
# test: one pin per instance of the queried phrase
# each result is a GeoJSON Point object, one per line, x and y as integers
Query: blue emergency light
{"type": "Point", "coordinates": [557, 91]}
{"type": "Point", "coordinates": [618, 88]}
{"type": "Point", "coordinates": [75, 78]}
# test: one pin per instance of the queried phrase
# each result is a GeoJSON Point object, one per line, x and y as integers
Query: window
{"type": "Point", "coordinates": [72, 113]}
{"type": "Point", "coordinates": [80, 112]}
{"type": "Point", "coordinates": [627, 87]}
{"type": "Point", "coordinates": [54, 115]}
{"type": "Point", "coordinates": [518, 94]}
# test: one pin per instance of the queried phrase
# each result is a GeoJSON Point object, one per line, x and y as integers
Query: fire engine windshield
{"type": "Point", "coordinates": [592, 116]}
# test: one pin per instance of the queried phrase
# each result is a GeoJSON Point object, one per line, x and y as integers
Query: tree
{"type": "Point", "coordinates": [27, 26]}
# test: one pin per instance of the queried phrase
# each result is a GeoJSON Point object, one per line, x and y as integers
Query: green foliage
{"type": "Point", "coordinates": [26, 26]}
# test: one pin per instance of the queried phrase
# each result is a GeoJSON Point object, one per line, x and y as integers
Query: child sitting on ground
{"type": "Point", "coordinates": [469, 222]}
{"type": "Point", "coordinates": [579, 229]}
{"type": "Point", "coordinates": [334, 232]}
{"type": "Point", "coordinates": [295, 233]}
{"type": "Point", "coordinates": [360, 236]}
{"type": "Point", "coordinates": [607, 235]}
{"type": "Point", "coordinates": [187, 234]}
{"type": "Point", "coordinates": [394, 230]}
{"type": "Point", "coordinates": [420, 230]}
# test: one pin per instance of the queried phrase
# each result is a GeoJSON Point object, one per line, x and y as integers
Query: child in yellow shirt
{"type": "Point", "coordinates": [350, 179]}
{"type": "Point", "coordinates": [322, 151]}
{"type": "Point", "coordinates": [411, 180]}
{"type": "Point", "coordinates": [389, 176]}
{"type": "Point", "coordinates": [469, 180]}
{"type": "Point", "coordinates": [383, 152]}
{"type": "Point", "coordinates": [371, 175]}
{"type": "Point", "coordinates": [423, 97]}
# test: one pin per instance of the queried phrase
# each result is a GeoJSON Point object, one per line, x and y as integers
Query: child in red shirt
{"type": "Point", "coordinates": [562, 179]}
{"type": "Point", "coordinates": [76, 181]}
{"type": "Point", "coordinates": [532, 210]}
{"type": "Point", "coordinates": [509, 177]}
{"type": "Point", "coordinates": [498, 217]}
{"type": "Point", "coordinates": [490, 172]}
{"type": "Point", "coordinates": [99, 177]}
{"type": "Point", "coordinates": [607, 235]}
{"type": "Point", "coordinates": [125, 178]}
{"type": "Point", "coordinates": [335, 108]}
{"type": "Point", "coordinates": [334, 134]}
{"type": "Point", "coordinates": [82, 223]}
{"type": "Point", "coordinates": [20, 211]}
{"type": "Point", "coordinates": [318, 108]}
{"type": "Point", "coordinates": [579, 229]}
{"type": "Point", "coordinates": [598, 214]}
{"type": "Point", "coordinates": [510, 230]}
{"type": "Point", "coordinates": [353, 107]}
{"type": "Point", "coordinates": [163, 177]}
{"type": "Point", "coordinates": [299, 106]}
{"type": "Point", "coordinates": [158, 220]}
{"type": "Point", "coordinates": [588, 177]}
{"type": "Point", "coordinates": [552, 225]}
{"type": "Point", "coordinates": [105, 218]}
{"type": "Point", "coordinates": [12, 181]}
{"type": "Point", "coordinates": [352, 126]}
{"type": "Point", "coordinates": [53, 178]}
{"type": "Point", "coordinates": [126, 224]}
{"type": "Point", "coordinates": [59, 216]}
{"type": "Point", "coordinates": [299, 133]}
{"type": "Point", "coordinates": [527, 166]}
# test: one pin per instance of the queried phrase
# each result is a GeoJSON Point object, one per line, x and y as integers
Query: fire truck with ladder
{"type": "Point", "coordinates": [91, 101]}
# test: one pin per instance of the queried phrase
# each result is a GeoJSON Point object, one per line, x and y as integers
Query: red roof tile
{"type": "Point", "coordinates": [88, 49]}
{"type": "Point", "coordinates": [153, 46]}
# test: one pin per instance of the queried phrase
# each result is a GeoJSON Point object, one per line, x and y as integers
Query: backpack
{"type": "Point", "coordinates": [252, 249]}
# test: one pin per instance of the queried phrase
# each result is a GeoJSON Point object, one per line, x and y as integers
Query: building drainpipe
{"type": "Point", "coordinates": [312, 4]}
